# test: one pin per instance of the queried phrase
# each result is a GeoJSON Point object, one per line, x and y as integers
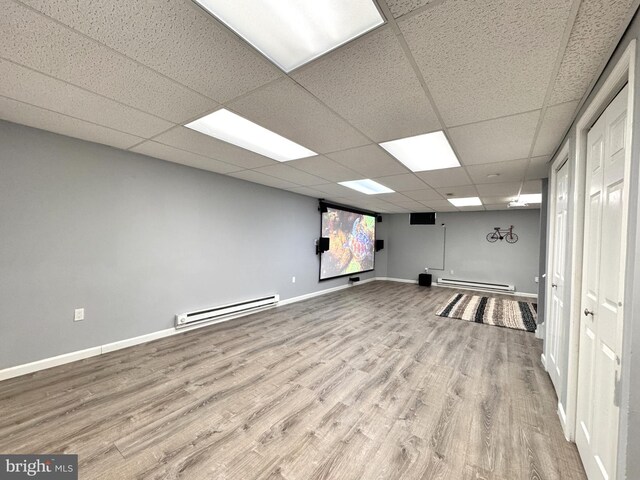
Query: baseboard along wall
{"type": "Point", "coordinates": [70, 357]}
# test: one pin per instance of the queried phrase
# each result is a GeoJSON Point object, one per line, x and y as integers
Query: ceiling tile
{"type": "Point", "coordinates": [71, 57]}
{"type": "Point", "coordinates": [289, 110]}
{"type": "Point", "coordinates": [538, 168]}
{"type": "Point", "coordinates": [498, 140]}
{"type": "Point", "coordinates": [37, 117]}
{"type": "Point", "coordinates": [377, 205]}
{"type": "Point", "coordinates": [424, 194]}
{"type": "Point", "coordinates": [308, 191]}
{"type": "Point", "coordinates": [371, 83]}
{"type": "Point", "coordinates": [425, 208]}
{"type": "Point", "coordinates": [261, 178]}
{"type": "Point", "coordinates": [325, 168]}
{"type": "Point", "coordinates": [594, 32]}
{"type": "Point", "coordinates": [196, 142]}
{"type": "Point", "coordinates": [446, 209]}
{"type": "Point", "coordinates": [43, 91]}
{"type": "Point", "coordinates": [393, 197]}
{"type": "Point", "coordinates": [290, 174]}
{"type": "Point", "coordinates": [176, 38]}
{"type": "Point", "coordinates": [458, 191]}
{"type": "Point", "coordinates": [555, 124]}
{"type": "Point", "coordinates": [532, 186]}
{"type": "Point", "coordinates": [402, 7]}
{"type": "Point", "coordinates": [411, 205]}
{"type": "Point", "coordinates": [346, 201]}
{"type": "Point", "coordinates": [499, 189]}
{"type": "Point", "coordinates": [401, 183]}
{"type": "Point", "coordinates": [445, 177]}
{"type": "Point", "coordinates": [441, 205]}
{"type": "Point", "coordinates": [487, 59]}
{"type": "Point", "coordinates": [336, 190]}
{"type": "Point", "coordinates": [478, 208]}
{"type": "Point", "coordinates": [498, 200]}
{"type": "Point", "coordinates": [371, 161]}
{"type": "Point", "coordinates": [508, 171]}
{"type": "Point", "coordinates": [500, 206]}
{"type": "Point", "coordinates": [171, 154]}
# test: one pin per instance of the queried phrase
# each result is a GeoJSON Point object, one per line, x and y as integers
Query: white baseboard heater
{"type": "Point", "coordinates": [225, 312]}
{"type": "Point", "coordinates": [449, 282]}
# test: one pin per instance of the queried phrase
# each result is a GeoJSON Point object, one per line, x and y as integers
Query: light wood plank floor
{"type": "Point", "coordinates": [365, 383]}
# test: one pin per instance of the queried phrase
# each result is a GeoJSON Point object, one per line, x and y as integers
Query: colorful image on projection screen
{"type": "Point", "coordinates": [351, 243]}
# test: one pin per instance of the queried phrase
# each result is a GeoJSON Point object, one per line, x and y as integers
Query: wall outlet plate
{"type": "Point", "coordinates": [78, 314]}
{"type": "Point", "coordinates": [293, 279]}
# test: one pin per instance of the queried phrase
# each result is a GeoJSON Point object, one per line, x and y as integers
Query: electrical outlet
{"type": "Point", "coordinates": [293, 279]}
{"type": "Point", "coordinates": [78, 314]}
{"type": "Point", "coordinates": [451, 272]}
{"type": "Point", "coordinates": [536, 279]}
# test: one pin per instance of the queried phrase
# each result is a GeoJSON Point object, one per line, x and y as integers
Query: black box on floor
{"type": "Point", "coordinates": [424, 279]}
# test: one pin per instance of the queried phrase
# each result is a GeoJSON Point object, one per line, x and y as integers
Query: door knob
{"type": "Point", "coordinates": [587, 312]}
{"type": "Point", "coordinates": [554, 285]}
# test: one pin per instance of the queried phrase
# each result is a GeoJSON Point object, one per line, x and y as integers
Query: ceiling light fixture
{"type": "Point", "coordinates": [531, 198]}
{"type": "Point", "coordinates": [465, 202]}
{"type": "Point", "coordinates": [229, 127]}
{"type": "Point", "coordinates": [430, 151]}
{"type": "Point", "coordinates": [367, 186]}
{"type": "Point", "coordinates": [526, 199]}
{"type": "Point", "coordinates": [291, 33]}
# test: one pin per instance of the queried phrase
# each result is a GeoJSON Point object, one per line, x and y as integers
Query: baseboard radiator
{"type": "Point", "coordinates": [225, 312]}
{"type": "Point", "coordinates": [449, 282]}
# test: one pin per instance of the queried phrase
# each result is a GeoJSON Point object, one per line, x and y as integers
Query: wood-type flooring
{"type": "Point", "coordinates": [364, 383]}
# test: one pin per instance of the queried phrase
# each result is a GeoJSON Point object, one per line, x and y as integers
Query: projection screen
{"type": "Point", "coordinates": [352, 238]}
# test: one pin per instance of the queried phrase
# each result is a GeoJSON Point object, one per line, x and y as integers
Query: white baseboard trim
{"type": "Point", "coordinates": [563, 420]}
{"type": "Point", "coordinates": [513, 294]}
{"type": "Point", "coordinates": [50, 362]}
{"type": "Point", "coordinates": [307, 296]}
{"type": "Point", "coordinates": [130, 342]}
{"type": "Point", "coordinates": [543, 360]}
{"type": "Point", "coordinates": [400, 280]}
{"type": "Point", "coordinates": [65, 358]}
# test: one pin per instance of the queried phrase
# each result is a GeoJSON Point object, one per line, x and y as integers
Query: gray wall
{"type": "Point", "coordinates": [468, 254]}
{"type": "Point", "coordinates": [629, 440]}
{"type": "Point", "coordinates": [542, 265]}
{"type": "Point", "coordinates": [135, 240]}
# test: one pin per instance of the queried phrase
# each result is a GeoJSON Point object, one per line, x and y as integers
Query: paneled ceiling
{"type": "Point", "coordinates": [502, 78]}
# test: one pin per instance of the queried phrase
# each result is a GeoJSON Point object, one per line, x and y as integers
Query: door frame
{"type": "Point", "coordinates": [561, 159]}
{"type": "Point", "coordinates": [622, 73]}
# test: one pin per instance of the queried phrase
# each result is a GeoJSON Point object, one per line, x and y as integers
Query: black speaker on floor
{"type": "Point", "coordinates": [379, 245]}
{"type": "Point", "coordinates": [424, 279]}
{"type": "Point", "coordinates": [425, 218]}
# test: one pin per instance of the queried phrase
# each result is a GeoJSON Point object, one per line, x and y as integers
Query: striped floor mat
{"type": "Point", "coordinates": [492, 311]}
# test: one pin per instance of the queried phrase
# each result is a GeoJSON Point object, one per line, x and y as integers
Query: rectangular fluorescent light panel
{"type": "Point", "coordinates": [366, 186]}
{"type": "Point", "coordinates": [229, 127]}
{"type": "Point", "coordinates": [291, 33]}
{"type": "Point", "coordinates": [530, 198]}
{"type": "Point", "coordinates": [465, 202]}
{"type": "Point", "coordinates": [430, 151]}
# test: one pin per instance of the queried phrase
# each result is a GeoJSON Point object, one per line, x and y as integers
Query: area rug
{"type": "Point", "coordinates": [491, 311]}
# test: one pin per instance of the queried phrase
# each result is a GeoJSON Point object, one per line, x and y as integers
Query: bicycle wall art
{"type": "Point", "coordinates": [500, 234]}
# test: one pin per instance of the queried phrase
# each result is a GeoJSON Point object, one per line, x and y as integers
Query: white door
{"type": "Point", "coordinates": [555, 344]}
{"type": "Point", "coordinates": [602, 292]}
